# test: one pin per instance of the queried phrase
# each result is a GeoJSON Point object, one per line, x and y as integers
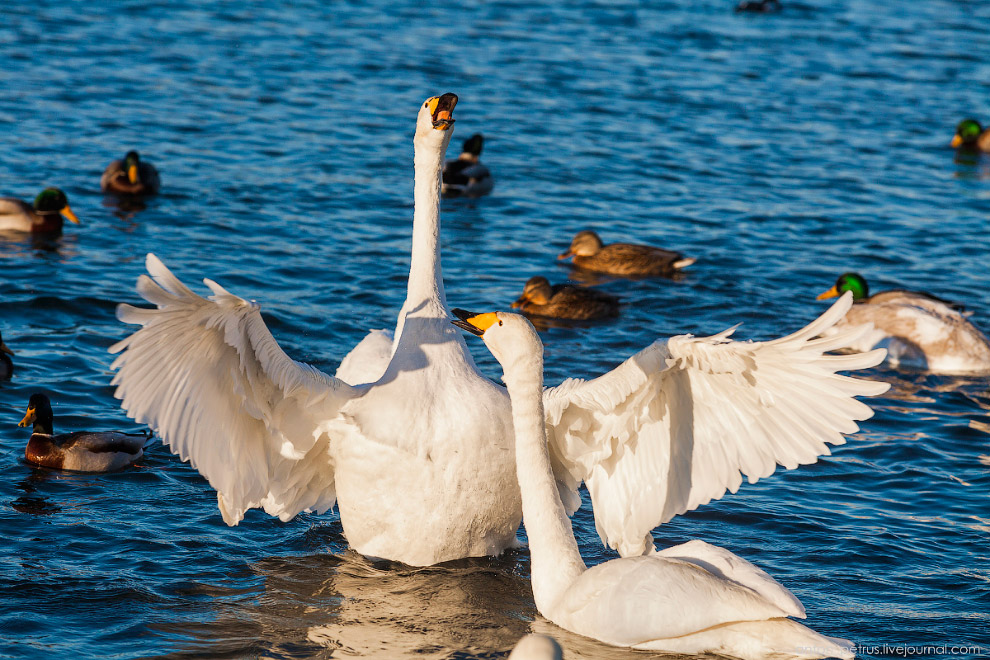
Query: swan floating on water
{"type": "Point", "coordinates": [692, 598]}
{"type": "Point", "coordinates": [415, 445]}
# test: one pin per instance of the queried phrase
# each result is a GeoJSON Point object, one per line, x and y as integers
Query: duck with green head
{"type": "Point", "coordinates": [81, 451]}
{"type": "Point", "coordinates": [917, 329]}
{"type": "Point", "coordinates": [130, 176]}
{"type": "Point", "coordinates": [44, 216]}
{"type": "Point", "coordinates": [970, 136]}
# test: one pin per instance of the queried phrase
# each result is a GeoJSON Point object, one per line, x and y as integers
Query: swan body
{"type": "Point", "coordinates": [130, 176]}
{"type": "Point", "coordinates": [622, 259]}
{"type": "Point", "coordinates": [466, 176]}
{"type": "Point", "coordinates": [565, 301]}
{"type": "Point", "coordinates": [82, 451]}
{"type": "Point", "coordinates": [917, 329]}
{"type": "Point", "coordinates": [417, 450]}
{"type": "Point", "coordinates": [693, 598]}
{"type": "Point", "coordinates": [44, 216]}
{"type": "Point", "coordinates": [6, 364]}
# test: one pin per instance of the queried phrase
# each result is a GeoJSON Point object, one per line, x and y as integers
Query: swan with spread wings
{"type": "Point", "coordinates": [415, 445]}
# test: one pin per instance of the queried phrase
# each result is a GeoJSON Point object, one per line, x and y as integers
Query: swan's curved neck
{"type": "Point", "coordinates": [425, 276]}
{"type": "Point", "coordinates": [555, 559]}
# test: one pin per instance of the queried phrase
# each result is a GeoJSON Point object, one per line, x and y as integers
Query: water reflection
{"type": "Point", "coordinates": [31, 502]}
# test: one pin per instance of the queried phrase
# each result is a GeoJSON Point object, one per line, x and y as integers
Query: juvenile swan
{"type": "Point", "coordinates": [693, 598]}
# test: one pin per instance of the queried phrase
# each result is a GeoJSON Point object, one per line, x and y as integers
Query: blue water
{"type": "Point", "coordinates": [780, 150]}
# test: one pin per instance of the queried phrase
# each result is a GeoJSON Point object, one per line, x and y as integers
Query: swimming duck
{"type": "Point", "coordinates": [415, 447]}
{"type": "Point", "coordinates": [130, 176]}
{"type": "Point", "coordinates": [623, 259]}
{"type": "Point", "coordinates": [971, 136]}
{"type": "Point", "coordinates": [565, 301]}
{"type": "Point", "coordinates": [42, 217]}
{"type": "Point", "coordinates": [81, 451]}
{"type": "Point", "coordinates": [466, 176]}
{"type": "Point", "coordinates": [918, 329]}
{"type": "Point", "coordinates": [693, 598]}
{"type": "Point", "coordinates": [6, 364]}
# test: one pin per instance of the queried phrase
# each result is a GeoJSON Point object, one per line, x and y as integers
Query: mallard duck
{"type": "Point", "coordinates": [970, 136]}
{"type": "Point", "coordinates": [42, 217]}
{"type": "Point", "coordinates": [6, 364]}
{"type": "Point", "coordinates": [918, 329]}
{"type": "Point", "coordinates": [758, 6]}
{"type": "Point", "coordinates": [466, 176]}
{"type": "Point", "coordinates": [693, 598]}
{"type": "Point", "coordinates": [623, 259]}
{"type": "Point", "coordinates": [81, 451]}
{"type": "Point", "coordinates": [130, 176]}
{"type": "Point", "coordinates": [416, 446]}
{"type": "Point", "coordinates": [565, 301]}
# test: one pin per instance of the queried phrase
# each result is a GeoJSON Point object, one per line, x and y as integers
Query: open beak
{"type": "Point", "coordinates": [473, 322]}
{"type": "Point", "coordinates": [3, 347]}
{"type": "Point", "coordinates": [956, 141]}
{"type": "Point", "coordinates": [67, 212]}
{"type": "Point", "coordinates": [831, 293]}
{"type": "Point", "coordinates": [565, 255]}
{"type": "Point", "coordinates": [442, 108]}
{"type": "Point", "coordinates": [29, 418]}
{"type": "Point", "coordinates": [132, 173]}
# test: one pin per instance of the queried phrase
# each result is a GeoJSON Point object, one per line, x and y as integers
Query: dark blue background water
{"type": "Point", "coordinates": [780, 150]}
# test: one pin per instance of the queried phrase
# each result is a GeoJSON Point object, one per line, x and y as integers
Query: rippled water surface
{"type": "Point", "coordinates": [779, 149]}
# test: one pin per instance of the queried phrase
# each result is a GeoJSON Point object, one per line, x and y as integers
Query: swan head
{"type": "Point", "coordinates": [508, 336]}
{"type": "Point", "coordinates": [967, 132]}
{"type": "Point", "coordinates": [435, 122]}
{"type": "Point", "coordinates": [537, 291]}
{"type": "Point", "coordinates": [848, 282]}
{"type": "Point", "coordinates": [585, 244]}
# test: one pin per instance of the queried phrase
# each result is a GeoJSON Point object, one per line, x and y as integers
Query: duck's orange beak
{"type": "Point", "coordinates": [831, 293]}
{"type": "Point", "coordinates": [565, 255]}
{"type": "Point", "coordinates": [29, 417]}
{"type": "Point", "coordinates": [3, 347]}
{"type": "Point", "coordinates": [956, 141]}
{"type": "Point", "coordinates": [132, 173]}
{"type": "Point", "coordinates": [67, 212]}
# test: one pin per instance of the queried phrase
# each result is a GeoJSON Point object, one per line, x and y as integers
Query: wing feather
{"type": "Point", "coordinates": [208, 376]}
{"type": "Point", "coordinates": [683, 421]}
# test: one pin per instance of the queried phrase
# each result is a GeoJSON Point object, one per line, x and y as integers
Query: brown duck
{"type": "Point", "coordinates": [623, 259]}
{"type": "Point", "coordinates": [565, 301]}
{"type": "Point", "coordinates": [82, 451]}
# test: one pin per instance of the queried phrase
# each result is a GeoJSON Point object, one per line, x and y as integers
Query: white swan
{"type": "Point", "coordinates": [693, 598]}
{"type": "Point", "coordinates": [415, 445]}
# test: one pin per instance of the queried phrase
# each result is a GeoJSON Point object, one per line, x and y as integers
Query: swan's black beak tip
{"type": "Point", "coordinates": [463, 323]}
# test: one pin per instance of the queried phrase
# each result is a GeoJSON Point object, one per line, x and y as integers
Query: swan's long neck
{"type": "Point", "coordinates": [555, 558]}
{"type": "Point", "coordinates": [425, 276]}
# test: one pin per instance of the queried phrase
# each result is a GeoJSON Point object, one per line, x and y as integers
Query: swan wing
{"type": "Point", "coordinates": [679, 423]}
{"type": "Point", "coordinates": [208, 376]}
{"type": "Point", "coordinates": [367, 361]}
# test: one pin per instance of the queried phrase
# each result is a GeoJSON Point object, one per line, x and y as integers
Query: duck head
{"type": "Point", "coordinates": [472, 148]}
{"type": "Point", "coordinates": [131, 162]}
{"type": "Point", "coordinates": [848, 282]}
{"type": "Point", "coordinates": [53, 200]}
{"type": "Point", "coordinates": [39, 413]}
{"type": "Point", "coordinates": [585, 244]}
{"type": "Point", "coordinates": [3, 347]}
{"type": "Point", "coordinates": [537, 290]}
{"type": "Point", "coordinates": [967, 132]}
{"type": "Point", "coordinates": [435, 122]}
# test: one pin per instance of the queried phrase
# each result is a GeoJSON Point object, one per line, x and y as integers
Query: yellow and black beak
{"type": "Point", "coordinates": [67, 212]}
{"type": "Point", "coordinates": [132, 173]}
{"type": "Point", "coordinates": [831, 293]}
{"type": "Point", "coordinates": [442, 109]}
{"type": "Point", "coordinates": [3, 347]}
{"type": "Point", "coordinates": [29, 417]}
{"type": "Point", "coordinates": [474, 323]}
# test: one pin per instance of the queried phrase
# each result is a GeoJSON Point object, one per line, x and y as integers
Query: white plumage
{"type": "Point", "coordinates": [693, 598]}
{"type": "Point", "coordinates": [415, 445]}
